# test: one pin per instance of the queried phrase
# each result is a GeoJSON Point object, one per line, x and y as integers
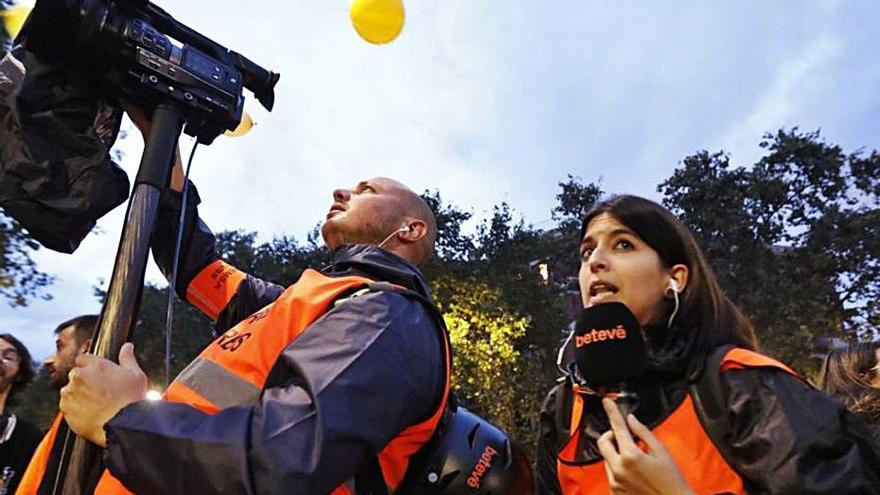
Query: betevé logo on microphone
{"type": "Point", "coordinates": [594, 335]}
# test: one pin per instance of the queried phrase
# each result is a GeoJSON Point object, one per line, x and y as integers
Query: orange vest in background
{"type": "Point", "coordinates": [233, 369]}
{"type": "Point", "coordinates": [702, 465]}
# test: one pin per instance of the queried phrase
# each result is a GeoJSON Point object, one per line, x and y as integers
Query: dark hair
{"type": "Point", "coordinates": [25, 369]}
{"type": "Point", "coordinates": [706, 318]}
{"type": "Point", "coordinates": [846, 374]}
{"type": "Point", "coordinates": [84, 327]}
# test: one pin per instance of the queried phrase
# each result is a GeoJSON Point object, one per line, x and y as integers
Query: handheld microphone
{"type": "Point", "coordinates": [610, 351]}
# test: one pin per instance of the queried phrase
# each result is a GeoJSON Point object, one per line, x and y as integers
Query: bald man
{"type": "Point", "coordinates": [328, 386]}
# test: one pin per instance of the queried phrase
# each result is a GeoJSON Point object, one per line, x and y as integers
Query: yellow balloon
{"type": "Point", "coordinates": [246, 124]}
{"type": "Point", "coordinates": [377, 21]}
{"type": "Point", "coordinates": [13, 19]}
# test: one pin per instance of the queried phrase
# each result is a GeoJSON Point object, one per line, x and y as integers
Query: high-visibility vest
{"type": "Point", "coordinates": [233, 369]}
{"type": "Point", "coordinates": [699, 460]}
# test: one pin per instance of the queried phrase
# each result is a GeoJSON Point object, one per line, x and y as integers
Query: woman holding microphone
{"type": "Point", "coordinates": [709, 413]}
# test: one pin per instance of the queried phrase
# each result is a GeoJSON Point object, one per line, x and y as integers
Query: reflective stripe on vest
{"type": "Point", "coordinates": [703, 467]}
{"type": "Point", "coordinates": [234, 368]}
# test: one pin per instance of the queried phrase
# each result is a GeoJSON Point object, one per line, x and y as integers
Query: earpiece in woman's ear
{"type": "Point", "coordinates": [672, 292]}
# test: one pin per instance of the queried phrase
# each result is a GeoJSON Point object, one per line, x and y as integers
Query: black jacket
{"type": "Point", "coordinates": [18, 440]}
{"type": "Point", "coordinates": [375, 365]}
{"type": "Point", "coordinates": [786, 437]}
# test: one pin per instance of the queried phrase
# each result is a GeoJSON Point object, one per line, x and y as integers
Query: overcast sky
{"type": "Point", "coordinates": [497, 100]}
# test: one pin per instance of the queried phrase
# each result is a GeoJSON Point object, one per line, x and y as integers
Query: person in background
{"type": "Point", "coordinates": [18, 438]}
{"type": "Point", "coordinates": [852, 374]}
{"type": "Point", "coordinates": [73, 337]}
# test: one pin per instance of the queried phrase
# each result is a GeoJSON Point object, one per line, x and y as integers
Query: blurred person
{"type": "Point", "coordinates": [714, 415]}
{"type": "Point", "coordinates": [72, 338]}
{"type": "Point", "coordinates": [18, 437]}
{"type": "Point", "coordinates": [852, 374]}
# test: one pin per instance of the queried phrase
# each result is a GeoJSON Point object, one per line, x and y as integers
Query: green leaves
{"type": "Point", "coordinates": [20, 279]}
{"type": "Point", "coordinates": [793, 238]}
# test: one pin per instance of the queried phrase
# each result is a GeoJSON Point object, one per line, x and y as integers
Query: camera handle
{"type": "Point", "coordinates": [124, 293]}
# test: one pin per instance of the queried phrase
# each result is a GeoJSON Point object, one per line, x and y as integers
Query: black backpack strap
{"type": "Point", "coordinates": [564, 401]}
{"type": "Point", "coordinates": [369, 481]}
{"type": "Point", "coordinates": [704, 386]}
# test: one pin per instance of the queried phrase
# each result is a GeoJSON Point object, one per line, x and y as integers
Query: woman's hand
{"type": "Point", "coordinates": [631, 470]}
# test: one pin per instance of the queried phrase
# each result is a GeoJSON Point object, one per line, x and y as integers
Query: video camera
{"type": "Point", "coordinates": [136, 52]}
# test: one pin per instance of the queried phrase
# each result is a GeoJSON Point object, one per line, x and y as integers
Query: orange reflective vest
{"type": "Point", "coordinates": [702, 465]}
{"type": "Point", "coordinates": [233, 369]}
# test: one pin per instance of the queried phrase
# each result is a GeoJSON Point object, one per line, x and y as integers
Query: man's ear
{"type": "Point", "coordinates": [417, 230]}
{"type": "Point", "coordinates": [84, 347]}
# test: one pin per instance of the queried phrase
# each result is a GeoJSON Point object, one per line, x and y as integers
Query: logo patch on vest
{"type": "Point", "coordinates": [232, 340]}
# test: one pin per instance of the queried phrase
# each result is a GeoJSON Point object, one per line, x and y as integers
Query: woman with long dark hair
{"type": "Point", "coordinates": [852, 374]}
{"type": "Point", "coordinates": [713, 414]}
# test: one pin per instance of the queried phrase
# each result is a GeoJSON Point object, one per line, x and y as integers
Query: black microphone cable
{"type": "Point", "coordinates": [169, 314]}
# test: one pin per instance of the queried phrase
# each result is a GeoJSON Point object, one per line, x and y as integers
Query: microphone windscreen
{"type": "Point", "coordinates": [609, 346]}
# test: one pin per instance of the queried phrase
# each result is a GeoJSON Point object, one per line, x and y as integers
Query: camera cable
{"type": "Point", "coordinates": [169, 314]}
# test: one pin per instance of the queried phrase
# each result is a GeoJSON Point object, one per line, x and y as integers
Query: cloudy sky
{"type": "Point", "coordinates": [497, 100]}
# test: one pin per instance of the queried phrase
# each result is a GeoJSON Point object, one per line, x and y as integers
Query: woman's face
{"type": "Point", "coordinates": [617, 266]}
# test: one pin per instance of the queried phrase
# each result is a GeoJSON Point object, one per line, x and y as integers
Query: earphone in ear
{"type": "Point", "coordinates": [403, 228]}
{"type": "Point", "coordinates": [673, 287]}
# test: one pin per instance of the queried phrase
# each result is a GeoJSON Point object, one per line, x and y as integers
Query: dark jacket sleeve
{"type": "Point", "coordinates": [788, 437]}
{"type": "Point", "coordinates": [357, 377]}
{"type": "Point", "coordinates": [546, 478]}
{"type": "Point", "coordinates": [198, 250]}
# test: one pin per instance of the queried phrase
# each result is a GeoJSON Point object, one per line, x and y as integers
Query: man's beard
{"type": "Point", "coordinates": [58, 379]}
{"type": "Point", "coordinates": [369, 233]}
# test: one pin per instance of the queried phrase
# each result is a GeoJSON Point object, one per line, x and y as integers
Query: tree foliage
{"type": "Point", "coordinates": [795, 239]}
{"type": "Point", "coordinates": [20, 279]}
{"type": "Point", "coordinates": [484, 334]}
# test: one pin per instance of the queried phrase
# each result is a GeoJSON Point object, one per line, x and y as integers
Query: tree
{"type": "Point", "coordinates": [20, 279]}
{"type": "Point", "coordinates": [490, 292]}
{"type": "Point", "coordinates": [488, 367]}
{"type": "Point", "coordinates": [795, 239]}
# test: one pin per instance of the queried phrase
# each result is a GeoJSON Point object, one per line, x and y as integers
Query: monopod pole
{"type": "Point", "coordinates": [81, 470]}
